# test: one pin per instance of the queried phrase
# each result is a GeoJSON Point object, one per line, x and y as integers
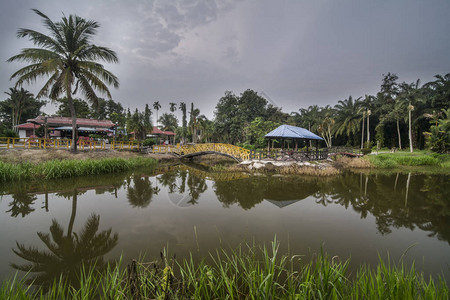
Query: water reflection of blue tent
{"type": "Point", "coordinates": [282, 203]}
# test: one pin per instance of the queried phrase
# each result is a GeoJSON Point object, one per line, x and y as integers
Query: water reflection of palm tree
{"type": "Point", "coordinates": [68, 253]}
{"type": "Point", "coordinates": [21, 204]}
{"type": "Point", "coordinates": [141, 193]}
{"type": "Point", "coordinates": [169, 180]}
{"type": "Point", "coordinates": [196, 186]}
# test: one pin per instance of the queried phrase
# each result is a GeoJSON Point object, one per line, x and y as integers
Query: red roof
{"type": "Point", "coordinates": [28, 126]}
{"type": "Point", "coordinates": [66, 121]}
{"type": "Point", "coordinates": [156, 130]}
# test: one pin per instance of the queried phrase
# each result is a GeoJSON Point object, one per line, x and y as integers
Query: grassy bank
{"type": "Point", "coordinates": [55, 169]}
{"type": "Point", "coordinates": [415, 161]}
{"type": "Point", "coordinates": [245, 273]}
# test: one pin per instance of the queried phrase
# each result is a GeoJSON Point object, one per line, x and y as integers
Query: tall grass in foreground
{"type": "Point", "coordinates": [245, 273]}
{"type": "Point", "coordinates": [55, 169]}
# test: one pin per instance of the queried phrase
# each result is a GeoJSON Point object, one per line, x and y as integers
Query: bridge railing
{"type": "Point", "coordinates": [164, 149]}
{"type": "Point", "coordinates": [333, 151]}
{"type": "Point", "coordinates": [124, 145]}
{"type": "Point", "coordinates": [280, 154]}
{"type": "Point", "coordinates": [235, 151]}
{"type": "Point", "coordinates": [34, 143]}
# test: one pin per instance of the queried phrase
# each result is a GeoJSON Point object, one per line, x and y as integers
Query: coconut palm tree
{"type": "Point", "coordinates": [68, 57]}
{"type": "Point", "coordinates": [19, 101]}
{"type": "Point", "coordinates": [169, 122]}
{"type": "Point", "coordinates": [156, 106]}
{"type": "Point", "coordinates": [182, 107]}
{"type": "Point", "coordinates": [195, 112]}
{"type": "Point", "coordinates": [173, 106]}
{"type": "Point", "coordinates": [410, 93]}
{"type": "Point", "coordinates": [347, 120]}
{"type": "Point", "coordinates": [367, 106]}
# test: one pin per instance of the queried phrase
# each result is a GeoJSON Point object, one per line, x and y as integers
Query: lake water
{"type": "Point", "coordinates": [357, 215]}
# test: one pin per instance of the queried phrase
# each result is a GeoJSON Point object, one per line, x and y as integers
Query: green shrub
{"type": "Point", "coordinates": [366, 151]}
{"type": "Point", "coordinates": [150, 142]}
{"type": "Point", "coordinates": [9, 133]}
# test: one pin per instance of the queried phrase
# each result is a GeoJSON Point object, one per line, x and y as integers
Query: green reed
{"type": "Point", "coordinates": [56, 169]}
{"type": "Point", "coordinates": [248, 272]}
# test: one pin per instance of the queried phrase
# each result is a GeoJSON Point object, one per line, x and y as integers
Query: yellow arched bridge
{"type": "Point", "coordinates": [186, 151]}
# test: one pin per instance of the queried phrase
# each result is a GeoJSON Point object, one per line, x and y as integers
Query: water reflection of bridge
{"type": "Point", "coordinates": [197, 171]}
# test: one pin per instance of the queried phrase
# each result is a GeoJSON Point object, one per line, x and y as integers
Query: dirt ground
{"type": "Point", "coordinates": [36, 156]}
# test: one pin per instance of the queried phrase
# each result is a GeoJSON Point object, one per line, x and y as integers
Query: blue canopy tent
{"type": "Point", "coordinates": [288, 132]}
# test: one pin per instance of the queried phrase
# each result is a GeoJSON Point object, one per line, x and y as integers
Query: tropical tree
{"type": "Point", "coordinates": [81, 107]}
{"type": "Point", "coordinates": [206, 128]}
{"type": "Point", "coordinates": [173, 106]}
{"type": "Point", "coordinates": [326, 126]}
{"type": "Point", "coordinates": [367, 105]}
{"type": "Point", "coordinates": [140, 124]}
{"type": "Point", "coordinates": [147, 118]}
{"type": "Point", "coordinates": [193, 123]}
{"type": "Point", "coordinates": [156, 106]}
{"type": "Point", "coordinates": [310, 118]}
{"type": "Point", "coordinates": [16, 102]}
{"type": "Point", "coordinates": [347, 118]}
{"type": "Point", "coordinates": [169, 122]}
{"type": "Point", "coordinates": [440, 91]}
{"type": "Point", "coordinates": [182, 107]}
{"type": "Point", "coordinates": [68, 57]}
{"type": "Point", "coordinates": [20, 106]}
{"type": "Point", "coordinates": [410, 95]}
{"type": "Point", "coordinates": [438, 139]}
{"type": "Point", "coordinates": [385, 105]}
{"type": "Point", "coordinates": [258, 129]}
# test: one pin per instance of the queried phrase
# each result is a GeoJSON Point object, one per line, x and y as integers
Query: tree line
{"type": "Point", "coordinates": [399, 115]}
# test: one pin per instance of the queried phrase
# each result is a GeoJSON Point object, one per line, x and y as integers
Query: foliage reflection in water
{"type": "Point", "coordinates": [151, 211]}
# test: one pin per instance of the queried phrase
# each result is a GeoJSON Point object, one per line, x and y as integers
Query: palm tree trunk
{"type": "Point", "coordinates": [74, 213]}
{"type": "Point", "coordinates": [399, 138]}
{"type": "Point", "coordinates": [74, 121]}
{"type": "Point", "coordinates": [368, 129]}
{"type": "Point", "coordinates": [362, 133]}
{"type": "Point", "coordinates": [410, 132]}
{"type": "Point", "coordinates": [309, 128]}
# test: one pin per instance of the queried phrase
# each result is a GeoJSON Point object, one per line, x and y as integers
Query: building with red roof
{"type": "Point", "coordinates": [57, 125]}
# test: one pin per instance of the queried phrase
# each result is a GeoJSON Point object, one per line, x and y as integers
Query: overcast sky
{"type": "Point", "coordinates": [298, 53]}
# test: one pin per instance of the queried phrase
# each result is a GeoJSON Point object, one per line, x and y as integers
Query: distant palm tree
{"type": "Point", "coordinates": [156, 106]}
{"type": "Point", "coordinates": [168, 122]}
{"type": "Point", "coordinates": [367, 105]}
{"type": "Point", "coordinates": [173, 106]}
{"type": "Point", "coordinates": [347, 120]}
{"type": "Point", "coordinates": [18, 101]}
{"type": "Point", "coordinates": [195, 112]}
{"type": "Point", "coordinates": [68, 57]}
{"type": "Point", "coordinates": [410, 93]}
{"type": "Point", "coordinates": [184, 121]}
{"type": "Point", "coordinates": [310, 118]}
